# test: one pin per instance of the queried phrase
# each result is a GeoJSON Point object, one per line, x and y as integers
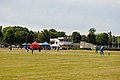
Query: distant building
{"type": "Point", "coordinates": [76, 45]}
{"type": "Point", "coordinates": [83, 45]}
{"type": "Point", "coordinates": [86, 45]}
{"type": "Point", "coordinates": [0, 28]}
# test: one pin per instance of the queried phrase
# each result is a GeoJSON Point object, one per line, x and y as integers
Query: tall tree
{"type": "Point", "coordinates": [76, 37]}
{"type": "Point", "coordinates": [31, 36]}
{"type": "Point", "coordinates": [39, 37]}
{"type": "Point", "coordinates": [61, 34]}
{"type": "Point", "coordinates": [9, 36]}
{"type": "Point", "coordinates": [1, 36]}
{"type": "Point", "coordinates": [91, 36]}
{"type": "Point", "coordinates": [46, 36]}
{"type": "Point", "coordinates": [0, 33]}
{"type": "Point", "coordinates": [84, 38]}
{"type": "Point", "coordinates": [15, 34]}
{"type": "Point", "coordinates": [53, 33]}
{"type": "Point", "coordinates": [102, 38]}
{"type": "Point", "coordinates": [92, 30]}
{"type": "Point", "coordinates": [109, 38]}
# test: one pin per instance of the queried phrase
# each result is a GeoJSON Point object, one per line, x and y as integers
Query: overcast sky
{"type": "Point", "coordinates": [62, 15]}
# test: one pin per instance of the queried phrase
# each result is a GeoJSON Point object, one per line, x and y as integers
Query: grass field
{"type": "Point", "coordinates": [58, 65]}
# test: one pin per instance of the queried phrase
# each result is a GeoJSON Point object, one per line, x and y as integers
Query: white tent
{"type": "Point", "coordinates": [54, 45]}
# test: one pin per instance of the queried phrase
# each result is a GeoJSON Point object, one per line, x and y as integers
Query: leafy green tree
{"type": "Point", "coordinates": [113, 39]}
{"type": "Point", "coordinates": [53, 33]}
{"type": "Point", "coordinates": [46, 36]}
{"type": "Point", "coordinates": [102, 38]}
{"type": "Point", "coordinates": [84, 38]}
{"type": "Point", "coordinates": [30, 37]}
{"type": "Point", "coordinates": [92, 30]}
{"type": "Point", "coordinates": [98, 39]}
{"type": "Point", "coordinates": [1, 36]}
{"type": "Point", "coordinates": [118, 41]}
{"type": "Point", "coordinates": [91, 36]}
{"type": "Point", "coordinates": [5, 29]}
{"type": "Point", "coordinates": [76, 37]}
{"type": "Point", "coordinates": [39, 37]}
{"type": "Point", "coordinates": [21, 35]}
{"type": "Point", "coordinates": [16, 35]}
{"type": "Point", "coordinates": [110, 38]}
{"type": "Point", "coordinates": [9, 36]}
{"type": "Point", "coordinates": [61, 34]}
{"type": "Point", "coordinates": [53, 30]}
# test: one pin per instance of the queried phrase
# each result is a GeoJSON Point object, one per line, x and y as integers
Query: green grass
{"type": "Point", "coordinates": [58, 65]}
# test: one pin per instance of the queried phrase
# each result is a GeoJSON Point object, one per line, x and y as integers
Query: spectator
{"type": "Point", "coordinates": [101, 50]}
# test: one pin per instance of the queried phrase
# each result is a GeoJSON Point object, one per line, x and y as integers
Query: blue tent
{"type": "Point", "coordinates": [45, 44]}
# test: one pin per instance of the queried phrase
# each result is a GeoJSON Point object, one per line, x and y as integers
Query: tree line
{"type": "Point", "coordinates": [20, 35]}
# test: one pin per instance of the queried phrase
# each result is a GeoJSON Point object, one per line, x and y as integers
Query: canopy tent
{"type": "Point", "coordinates": [24, 44]}
{"type": "Point", "coordinates": [34, 45]}
{"type": "Point", "coordinates": [54, 45]}
{"type": "Point", "coordinates": [45, 44]}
